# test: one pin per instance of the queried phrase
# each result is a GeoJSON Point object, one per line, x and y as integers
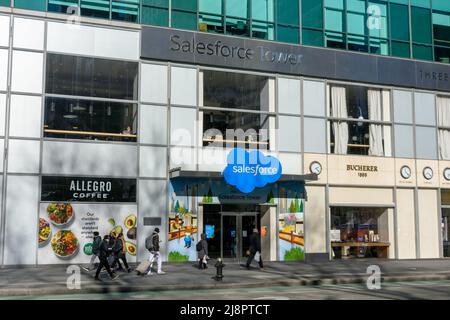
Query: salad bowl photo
{"type": "Point", "coordinates": [65, 244]}
{"type": "Point", "coordinates": [45, 232]}
{"type": "Point", "coordinates": [60, 214]}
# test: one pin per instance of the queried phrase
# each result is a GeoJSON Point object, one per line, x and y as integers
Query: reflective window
{"type": "Point", "coordinates": [235, 90]}
{"type": "Point", "coordinates": [235, 129]}
{"type": "Point", "coordinates": [88, 119]}
{"type": "Point", "coordinates": [91, 77]}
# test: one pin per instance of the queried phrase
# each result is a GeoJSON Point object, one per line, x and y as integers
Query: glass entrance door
{"type": "Point", "coordinates": [236, 231]}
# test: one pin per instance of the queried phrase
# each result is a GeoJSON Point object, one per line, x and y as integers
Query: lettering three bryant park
{"type": "Point", "coordinates": [249, 143]}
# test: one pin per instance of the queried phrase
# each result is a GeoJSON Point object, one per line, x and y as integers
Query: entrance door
{"type": "Point", "coordinates": [236, 231]}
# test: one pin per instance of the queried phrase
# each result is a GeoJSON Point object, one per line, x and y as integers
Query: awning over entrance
{"type": "Point", "coordinates": [180, 173]}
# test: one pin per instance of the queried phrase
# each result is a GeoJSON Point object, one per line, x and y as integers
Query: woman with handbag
{"type": "Point", "coordinates": [202, 251]}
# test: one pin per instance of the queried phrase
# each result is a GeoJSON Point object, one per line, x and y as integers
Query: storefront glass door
{"type": "Point", "coordinates": [236, 231]}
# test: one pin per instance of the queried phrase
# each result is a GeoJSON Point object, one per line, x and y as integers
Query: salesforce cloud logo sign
{"type": "Point", "coordinates": [249, 170]}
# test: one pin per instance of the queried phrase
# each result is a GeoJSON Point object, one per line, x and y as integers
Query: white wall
{"type": "Point", "coordinates": [406, 224]}
{"type": "Point", "coordinates": [428, 224]}
{"type": "Point", "coordinates": [73, 158]}
{"type": "Point", "coordinates": [4, 30]}
{"type": "Point", "coordinates": [25, 117]}
{"type": "Point", "coordinates": [315, 220]}
{"type": "Point", "coordinates": [154, 83]}
{"type": "Point", "coordinates": [23, 156]}
{"type": "Point", "coordinates": [28, 33]}
{"type": "Point", "coordinates": [21, 220]}
{"type": "Point", "coordinates": [152, 203]}
{"type": "Point", "coordinates": [27, 69]}
{"type": "Point", "coordinates": [92, 41]}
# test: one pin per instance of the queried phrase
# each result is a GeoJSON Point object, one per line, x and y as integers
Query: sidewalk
{"type": "Point", "coordinates": [45, 280]}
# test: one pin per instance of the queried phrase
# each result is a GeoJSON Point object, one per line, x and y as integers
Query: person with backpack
{"type": "Point", "coordinates": [202, 251]}
{"type": "Point", "coordinates": [95, 251]}
{"type": "Point", "coordinates": [255, 249]}
{"type": "Point", "coordinates": [152, 245]}
{"type": "Point", "coordinates": [120, 253]}
{"type": "Point", "coordinates": [105, 251]}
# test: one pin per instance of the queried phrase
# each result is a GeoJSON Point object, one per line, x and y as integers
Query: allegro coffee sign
{"type": "Point", "coordinates": [85, 189]}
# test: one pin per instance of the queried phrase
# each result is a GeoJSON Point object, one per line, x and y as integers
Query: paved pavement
{"type": "Point", "coordinates": [49, 280]}
{"type": "Point", "coordinates": [424, 290]}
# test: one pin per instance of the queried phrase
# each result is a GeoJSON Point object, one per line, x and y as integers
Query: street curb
{"type": "Point", "coordinates": [114, 288]}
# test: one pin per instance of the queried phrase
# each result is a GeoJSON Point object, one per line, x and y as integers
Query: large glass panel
{"type": "Point", "coordinates": [426, 143]}
{"type": "Point", "coordinates": [334, 20]}
{"type": "Point", "coordinates": [91, 77]}
{"type": "Point", "coordinates": [288, 34]}
{"type": "Point", "coordinates": [125, 10]}
{"type": "Point", "coordinates": [421, 25]}
{"type": "Point", "coordinates": [442, 54]}
{"type": "Point", "coordinates": [404, 141]}
{"type": "Point", "coordinates": [288, 12]}
{"type": "Point", "coordinates": [248, 130]}
{"type": "Point", "coordinates": [95, 8]}
{"type": "Point", "coordinates": [312, 37]}
{"type": "Point", "coordinates": [359, 232]}
{"type": "Point", "coordinates": [237, 8]}
{"type": "Point", "coordinates": [40, 5]}
{"type": "Point", "coordinates": [263, 10]}
{"type": "Point", "coordinates": [403, 106]}
{"type": "Point", "coordinates": [443, 5]}
{"type": "Point", "coordinates": [184, 20]}
{"type": "Point", "coordinates": [87, 119]}
{"type": "Point", "coordinates": [441, 33]}
{"type": "Point", "coordinates": [358, 137]}
{"type": "Point", "coordinates": [210, 6]}
{"type": "Point", "coordinates": [237, 27]}
{"type": "Point", "coordinates": [155, 16]}
{"type": "Point", "coordinates": [188, 5]}
{"type": "Point", "coordinates": [356, 43]}
{"type": "Point", "coordinates": [377, 21]}
{"type": "Point", "coordinates": [315, 135]}
{"type": "Point", "coordinates": [421, 3]}
{"type": "Point", "coordinates": [65, 6]}
{"type": "Point", "coordinates": [335, 40]}
{"type": "Point", "coordinates": [5, 3]}
{"type": "Point", "coordinates": [422, 52]}
{"type": "Point", "coordinates": [235, 90]}
{"type": "Point", "coordinates": [400, 49]}
{"type": "Point", "coordinates": [399, 22]}
{"type": "Point", "coordinates": [312, 14]}
{"type": "Point", "coordinates": [211, 23]}
{"type": "Point", "coordinates": [263, 30]}
{"type": "Point", "coordinates": [379, 46]}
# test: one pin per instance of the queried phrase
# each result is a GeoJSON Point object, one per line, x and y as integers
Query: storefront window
{"type": "Point", "coordinates": [235, 90]}
{"type": "Point", "coordinates": [443, 109]}
{"type": "Point", "coordinates": [91, 77]}
{"type": "Point", "coordinates": [446, 231]}
{"type": "Point", "coordinates": [357, 124]}
{"type": "Point", "coordinates": [230, 129]}
{"type": "Point", "coordinates": [359, 232]}
{"type": "Point", "coordinates": [86, 119]}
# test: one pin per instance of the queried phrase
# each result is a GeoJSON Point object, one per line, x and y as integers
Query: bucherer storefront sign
{"type": "Point", "coordinates": [249, 170]}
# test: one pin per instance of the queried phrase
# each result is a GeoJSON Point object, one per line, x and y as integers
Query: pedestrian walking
{"type": "Point", "coordinates": [202, 251]}
{"type": "Point", "coordinates": [120, 253]}
{"type": "Point", "coordinates": [95, 251]}
{"type": "Point", "coordinates": [105, 251]}
{"type": "Point", "coordinates": [152, 245]}
{"type": "Point", "coordinates": [255, 249]}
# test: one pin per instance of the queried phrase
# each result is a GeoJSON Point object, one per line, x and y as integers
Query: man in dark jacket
{"type": "Point", "coordinates": [104, 252]}
{"type": "Point", "coordinates": [255, 246]}
{"type": "Point", "coordinates": [203, 252]}
{"type": "Point", "coordinates": [154, 252]}
{"type": "Point", "coordinates": [120, 253]}
{"type": "Point", "coordinates": [95, 251]}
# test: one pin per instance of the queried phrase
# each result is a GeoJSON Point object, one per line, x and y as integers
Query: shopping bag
{"type": "Point", "coordinates": [257, 256]}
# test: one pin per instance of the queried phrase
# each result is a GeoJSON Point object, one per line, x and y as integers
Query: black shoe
{"type": "Point", "coordinates": [129, 270]}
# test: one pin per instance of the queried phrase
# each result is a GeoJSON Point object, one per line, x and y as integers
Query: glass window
{"type": "Point", "coordinates": [62, 6]}
{"type": "Point", "coordinates": [421, 25]}
{"type": "Point", "coordinates": [211, 23]}
{"type": "Point", "coordinates": [315, 135]}
{"type": "Point", "coordinates": [97, 9]}
{"type": "Point", "coordinates": [441, 33]}
{"type": "Point", "coordinates": [238, 27]}
{"type": "Point", "coordinates": [350, 225]}
{"type": "Point", "coordinates": [334, 20]}
{"type": "Point", "coordinates": [446, 229]}
{"type": "Point", "coordinates": [289, 133]}
{"type": "Point", "coordinates": [442, 54]}
{"type": "Point", "coordinates": [289, 96]}
{"type": "Point", "coordinates": [357, 43]}
{"type": "Point", "coordinates": [187, 5]}
{"type": "Point", "coordinates": [426, 143]}
{"type": "Point", "coordinates": [5, 3]}
{"type": "Point", "coordinates": [127, 10]}
{"type": "Point", "coordinates": [424, 107]}
{"type": "Point", "coordinates": [237, 8]}
{"type": "Point", "coordinates": [377, 20]}
{"type": "Point", "coordinates": [314, 98]}
{"type": "Point", "coordinates": [88, 119]}
{"type": "Point", "coordinates": [288, 34]}
{"type": "Point", "coordinates": [442, 5]}
{"type": "Point", "coordinates": [312, 37]}
{"type": "Point", "coordinates": [184, 20]}
{"type": "Point", "coordinates": [335, 40]}
{"type": "Point", "coordinates": [183, 86]}
{"type": "Point", "coordinates": [263, 10]}
{"type": "Point", "coordinates": [421, 3]}
{"type": "Point", "coordinates": [39, 5]}
{"type": "Point", "coordinates": [400, 49]}
{"type": "Point", "coordinates": [92, 77]}
{"type": "Point", "coordinates": [211, 6]}
{"type": "Point", "coordinates": [312, 14]}
{"type": "Point", "coordinates": [379, 46]}
{"type": "Point", "coordinates": [248, 130]}
{"type": "Point", "coordinates": [235, 90]}
{"type": "Point", "coordinates": [399, 22]}
{"type": "Point", "coordinates": [421, 52]}
{"type": "Point", "coordinates": [403, 106]}
{"type": "Point", "coordinates": [288, 12]}
{"type": "Point", "coordinates": [263, 30]}
{"type": "Point", "coordinates": [155, 16]}
{"type": "Point", "coordinates": [404, 141]}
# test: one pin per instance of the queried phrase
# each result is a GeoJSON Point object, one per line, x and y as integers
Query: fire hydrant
{"type": "Point", "coordinates": [219, 266]}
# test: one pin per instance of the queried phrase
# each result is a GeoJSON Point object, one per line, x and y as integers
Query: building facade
{"type": "Point", "coordinates": [120, 119]}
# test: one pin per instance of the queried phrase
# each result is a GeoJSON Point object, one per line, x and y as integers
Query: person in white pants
{"type": "Point", "coordinates": [154, 253]}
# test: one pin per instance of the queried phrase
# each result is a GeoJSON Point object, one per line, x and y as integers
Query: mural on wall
{"type": "Point", "coordinates": [66, 230]}
{"type": "Point", "coordinates": [186, 194]}
{"type": "Point", "coordinates": [291, 244]}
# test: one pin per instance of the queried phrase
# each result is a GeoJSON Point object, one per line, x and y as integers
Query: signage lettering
{"type": "Point", "coordinates": [362, 168]}
{"type": "Point", "coordinates": [440, 76]}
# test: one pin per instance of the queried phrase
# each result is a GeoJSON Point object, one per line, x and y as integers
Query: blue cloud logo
{"type": "Point", "coordinates": [249, 170]}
